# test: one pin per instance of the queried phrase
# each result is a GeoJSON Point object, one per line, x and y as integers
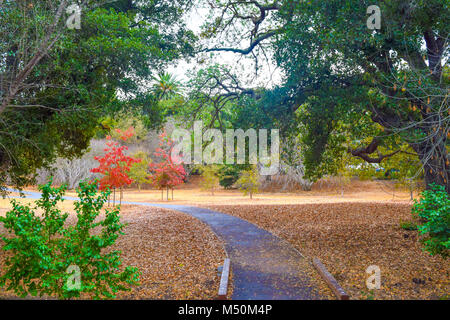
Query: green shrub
{"type": "Point", "coordinates": [48, 257]}
{"type": "Point", "coordinates": [433, 210]}
{"type": "Point", "coordinates": [249, 182]}
{"type": "Point", "coordinates": [229, 174]}
{"type": "Point", "coordinates": [139, 171]}
{"type": "Point", "coordinates": [210, 178]}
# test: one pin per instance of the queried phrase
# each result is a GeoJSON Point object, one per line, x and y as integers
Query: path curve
{"type": "Point", "coordinates": [264, 267]}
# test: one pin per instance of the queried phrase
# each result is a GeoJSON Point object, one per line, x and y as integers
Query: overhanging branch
{"type": "Point", "coordinates": [252, 46]}
{"type": "Point", "coordinates": [364, 153]}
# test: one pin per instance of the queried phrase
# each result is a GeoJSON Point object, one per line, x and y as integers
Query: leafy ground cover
{"type": "Point", "coordinates": [349, 237]}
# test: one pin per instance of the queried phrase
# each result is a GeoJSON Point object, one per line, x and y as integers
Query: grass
{"type": "Point", "coordinates": [190, 193]}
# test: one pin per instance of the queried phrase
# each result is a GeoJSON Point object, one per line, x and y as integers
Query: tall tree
{"type": "Point", "coordinates": [342, 74]}
{"type": "Point", "coordinates": [56, 82]}
{"type": "Point", "coordinates": [166, 86]}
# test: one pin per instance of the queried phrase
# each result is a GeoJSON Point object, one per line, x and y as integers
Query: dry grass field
{"type": "Point", "coordinates": [190, 193]}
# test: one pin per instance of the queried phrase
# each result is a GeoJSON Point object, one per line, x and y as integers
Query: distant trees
{"type": "Point", "coordinates": [71, 171]}
{"type": "Point", "coordinates": [53, 80]}
{"type": "Point", "coordinates": [166, 86]}
{"type": "Point", "coordinates": [345, 80]}
{"type": "Point", "coordinates": [169, 93]}
{"type": "Point", "coordinates": [139, 171]}
{"type": "Point", "coordinates": [123, 121]}
{"type": "Point", "coordinates": [229, 174]}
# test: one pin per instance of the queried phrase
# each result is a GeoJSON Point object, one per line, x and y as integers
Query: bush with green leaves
{"type": "Point", "coordinates": [139, 171]}
{"type": "Point", "coordinates": [229, 174]}
{"type": "Point", "coordinates": [433, 211]}
{"type": "Point", "coordinates": [210, 178]}
{"type": "Point", "coordinates": [47, 256]}
{"type": "Point", "coordinates": [248, 182]}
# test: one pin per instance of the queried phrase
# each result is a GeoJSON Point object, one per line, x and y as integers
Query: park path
{"type": "Point", "coordinates": [264, 267]}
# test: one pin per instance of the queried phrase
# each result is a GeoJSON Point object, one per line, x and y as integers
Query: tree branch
{"type": "Point", "coordinates": [45, 46]}
{"type": "Point", "coordinates": [364, 153]}
{"type": "Point", "coordinates": [253, 44]}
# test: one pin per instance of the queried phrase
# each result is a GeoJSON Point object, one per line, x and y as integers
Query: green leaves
{"type": "Point", "coordinates": [346, 77]}
{"type": "Point", "coordinates": [57, 109]}
{"type": "Point", "coordinates": [229, 174]}
{"type": "Point", "coordinates": [434, 213]}
{"type": "Point", "coordinates": [248, 182]}
{"type": "Point", "coordinates": [210, 177]}
{"type": "Point", "coordinates": [139, 171]}
{"type": "Point", "coordinates": [43, 247]}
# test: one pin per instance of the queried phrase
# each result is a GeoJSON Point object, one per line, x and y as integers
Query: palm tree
{"type": "Point", "coordinates": [166, 86]}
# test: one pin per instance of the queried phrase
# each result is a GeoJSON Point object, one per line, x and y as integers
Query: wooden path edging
{"type": "Point", "coordinates": [223, 288]}
{"type": "Point", "coordinates": [330, 280]}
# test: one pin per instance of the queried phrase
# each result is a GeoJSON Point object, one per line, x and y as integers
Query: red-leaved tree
{"type": "Point", "coordinates": [166, 174]}
{"type": "Point", "coordinates": [115, 165]}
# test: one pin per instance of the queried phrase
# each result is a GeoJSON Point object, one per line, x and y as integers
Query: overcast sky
{"type": "Point", "coordinates": [268, 75]}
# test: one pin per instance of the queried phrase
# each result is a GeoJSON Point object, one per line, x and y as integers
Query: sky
{"type": "Point", "coordinates": [268, 75]}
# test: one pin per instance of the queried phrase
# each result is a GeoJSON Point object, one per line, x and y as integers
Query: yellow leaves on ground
{"type": "Point", "coordinates": [177, 254]}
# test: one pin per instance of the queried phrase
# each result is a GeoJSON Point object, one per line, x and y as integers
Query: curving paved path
{"type": "Point", "coordinates": [264, 267]}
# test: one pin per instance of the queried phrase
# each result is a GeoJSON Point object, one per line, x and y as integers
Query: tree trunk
{"type": "Point", "coordinates": [435, 161]}
{"type": "Point", "coordinates": [114, 198]}
{"type": "Point", "coordinates": [167, 194]}
{"type": "Point", "coordinates": [434, 176]}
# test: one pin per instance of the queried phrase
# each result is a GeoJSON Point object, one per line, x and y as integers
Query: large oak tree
{"type": "Point", "coordinates": [371, 93]}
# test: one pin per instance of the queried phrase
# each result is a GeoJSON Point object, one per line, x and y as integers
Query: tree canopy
{"type": "Point", "coordinates": [374, 94]}
{"type": "Point", "coordinates": [56, 83]}
{"type": "Point", "coordinates": [346, 89]}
